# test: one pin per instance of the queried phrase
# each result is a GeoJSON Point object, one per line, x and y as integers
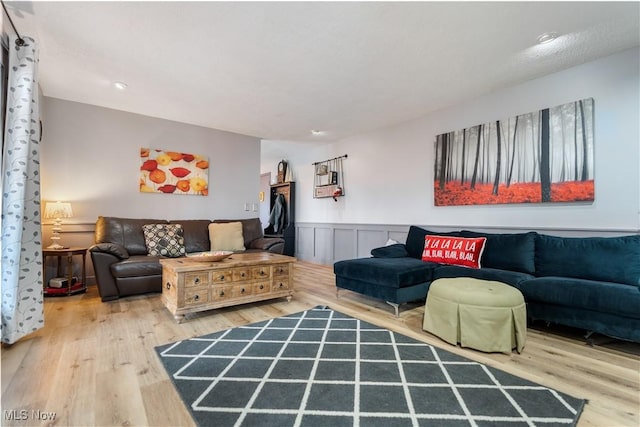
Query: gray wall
{"type": "Point", "coordinates": [90, 156]}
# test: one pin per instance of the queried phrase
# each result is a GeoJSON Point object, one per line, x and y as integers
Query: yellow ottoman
{"type": "Point", "coordinates": [480, 314]}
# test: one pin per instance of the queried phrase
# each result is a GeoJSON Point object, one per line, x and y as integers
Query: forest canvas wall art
{"type": "Point", "coordinates": [540, 157]}
{"type": "Point", "coordinates": [173, 172]}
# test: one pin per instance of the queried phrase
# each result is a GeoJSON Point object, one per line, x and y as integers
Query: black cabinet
{"type": "Point", "coordinates": [282, 216]}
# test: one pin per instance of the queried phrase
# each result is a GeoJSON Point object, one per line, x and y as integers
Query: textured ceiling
{"type": "Point", "coordinates": [278, 70]}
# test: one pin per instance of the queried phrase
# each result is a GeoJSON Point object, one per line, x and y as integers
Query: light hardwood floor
{"type": "Point", "coordinates": [94, 363]}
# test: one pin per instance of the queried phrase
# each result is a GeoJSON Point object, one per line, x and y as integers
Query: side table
{"type": "Point", "coordinates": [71, 289]}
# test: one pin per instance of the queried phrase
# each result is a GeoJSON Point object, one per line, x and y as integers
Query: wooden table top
{"type": "Point", "coordinates": [235, 260]}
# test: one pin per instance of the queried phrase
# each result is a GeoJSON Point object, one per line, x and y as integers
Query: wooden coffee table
{"type": "Point", "coordinates": [190, 286]}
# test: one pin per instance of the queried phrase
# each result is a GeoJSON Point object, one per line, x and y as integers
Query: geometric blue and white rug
{"type": "Point", "coordinates": [324, 368]}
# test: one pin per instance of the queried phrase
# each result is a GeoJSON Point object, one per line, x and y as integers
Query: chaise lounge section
{"type": "Point", "coordinates": [591, 283]}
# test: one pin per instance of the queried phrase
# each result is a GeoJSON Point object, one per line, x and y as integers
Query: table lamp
{"type": "Point", "coordinates": [57, 211]}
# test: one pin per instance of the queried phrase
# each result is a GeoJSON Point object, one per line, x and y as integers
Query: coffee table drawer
{"type": "Point", "coordinates": [195, 296]}
{"type": "Point", "coordinates": [244, 290]}
{"type": "Point", "coordinates": [221, 292]}
{"type": "Point", "coordinates": [196, 278]}
{"type": "Point", "coordinates": [279, 285]}
{"type": "Point", "coordinates": [280, 270]}
{"type": "Point", "coordinates": [261, 288]}
{"type": "Point", "coordinates": [221, 276]}
{"type": "Point", "coordinates": [240, 274]}
{"type": "Point", "coordinates": [260, 273]}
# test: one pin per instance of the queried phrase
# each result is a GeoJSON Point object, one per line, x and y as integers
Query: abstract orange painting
{"type": "Point", "coordinates": [173, 172]}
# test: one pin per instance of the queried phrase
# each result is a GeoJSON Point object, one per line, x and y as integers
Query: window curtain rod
{"type": "Point", "coordinates": [19, 40]}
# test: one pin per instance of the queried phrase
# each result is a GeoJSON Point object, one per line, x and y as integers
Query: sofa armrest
{"type": "Point", "coordinates": [114, 249]}
{"type": "Point", "coordinates": [265, 243]}
{"type": "Point", "coordinates": [397, 250]}
{"type": "Point", "coordinates": [102, 262]}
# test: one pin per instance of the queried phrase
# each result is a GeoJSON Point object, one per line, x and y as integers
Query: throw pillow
{"type": "Point", "coordinates": [165, 240]}
{"type": "Point", "coordinates": [415, 239]}
{"type": "Point", "coordinates": [465, 252]}
{"type": "Point", "coordinates": [226, 236]}
{"type": "Point", "coordinates": [391, 251]}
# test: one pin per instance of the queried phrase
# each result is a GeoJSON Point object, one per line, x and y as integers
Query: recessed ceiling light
{"type": "Point", "coordinates": [317, 132]}
{"type": "Point", "coordinates": [547, 37]}
{"type": "Point", "coordinates": [120, 85]}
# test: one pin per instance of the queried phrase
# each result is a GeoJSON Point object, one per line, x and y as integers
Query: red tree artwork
{"type": "Point", "coordinates": [540, 157]}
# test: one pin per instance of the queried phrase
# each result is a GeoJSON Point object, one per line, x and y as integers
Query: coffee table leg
{"type": "Point", "coordinates": [179, 317]}
{"type": "Point", "coordinates": [288, 298]}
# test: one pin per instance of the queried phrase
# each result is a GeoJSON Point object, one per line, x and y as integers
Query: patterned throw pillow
{"type": "Point", "coordinates": [465, 252]}
{"type": "Point", "coordinates": [165, 240]}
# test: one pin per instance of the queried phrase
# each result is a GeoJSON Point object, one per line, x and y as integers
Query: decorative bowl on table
{"type": "Point", "coordinates": [209, 256]}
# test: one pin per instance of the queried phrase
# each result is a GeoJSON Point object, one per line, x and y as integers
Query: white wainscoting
{"type": "Point", "coordinates": [325, 243]}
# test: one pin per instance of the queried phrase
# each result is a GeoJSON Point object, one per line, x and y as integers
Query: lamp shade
{"type": "Point", "coordinates": [58, 210]}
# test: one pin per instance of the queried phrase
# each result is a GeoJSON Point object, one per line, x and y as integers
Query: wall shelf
{"type": "Point", "coordinates": [329, 178]}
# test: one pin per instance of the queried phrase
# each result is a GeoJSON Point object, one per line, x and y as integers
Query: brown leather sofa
{"type": "Point", "coordinates": [123, 267]}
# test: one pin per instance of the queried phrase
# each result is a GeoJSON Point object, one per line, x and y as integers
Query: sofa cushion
{"type": "Point", "coordinates": [137, 265]}
{"type": "Point", "coordinates": [397, 250]}
{"type": "Point", "coordinates": [606, 297]}
{"type": "Point", "coordinates": [393, 272]}
{"type": "Point", "coordinates": [462, 251]}
{"type": "Point", "coordinates": [608, 259]}
{"type": "Point", "coordinates": [226, 236]}
{"type": "Point", "coordinates": [415, 240]}
{"type": "Point", "coordinates": [512, 278]}
{"type": "Point", "coordinates": [251, 228]}
{"type": "Point", "coordinates": [164, 240]}
{"type": "Point", "coordinates": [265, 243]}
{"type": "Point", "coordinates": [196, 234]}
{"type": "Point", "coordinates": [395, 295]}
{"type": "Point", "coordinates": [508, 251]}
{"type": "Point", "coordinates": [127, 232]}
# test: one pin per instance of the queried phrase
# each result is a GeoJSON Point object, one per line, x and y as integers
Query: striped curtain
{"type": "Point", "coordinates": [21, 247]}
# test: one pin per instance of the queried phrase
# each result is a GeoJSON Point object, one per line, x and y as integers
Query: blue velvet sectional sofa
{"type": "Point", "coordinates": [592, 283]}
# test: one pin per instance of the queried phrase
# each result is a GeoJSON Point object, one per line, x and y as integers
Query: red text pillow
{"type": "Point", "coordinates": [462, 251]}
